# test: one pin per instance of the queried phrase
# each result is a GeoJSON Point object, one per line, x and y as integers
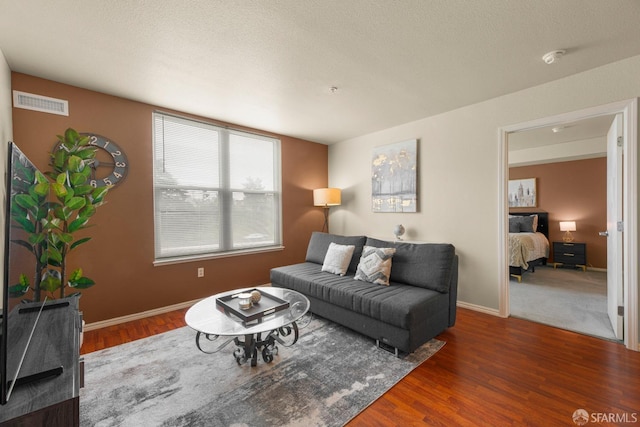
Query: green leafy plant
{"type": "Point", "coordinates": [29, 209]}
{"type": "Point", "coordinates": [52, 211]}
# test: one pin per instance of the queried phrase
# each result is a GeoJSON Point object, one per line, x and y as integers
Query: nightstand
{"type": "Point", "coordinates": [571, 254]}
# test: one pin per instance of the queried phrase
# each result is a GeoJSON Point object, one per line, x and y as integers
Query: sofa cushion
{"type": "Point", "coordinates": [427, 265]}
{"type": "Point", "coordinates": [338, 258]}
{"type": "Point", "coordinates": [375, 265]}
{"type": "Point", "coordinates": [398, 304]}
{"type": "Point", "coordinates": [319, 244]}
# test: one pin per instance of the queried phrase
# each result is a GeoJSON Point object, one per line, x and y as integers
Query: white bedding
{"type": "Point", "coordinates": [525, 247]}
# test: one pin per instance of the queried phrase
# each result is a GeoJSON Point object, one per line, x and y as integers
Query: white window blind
{"type": "Point", "coordinates": [216, 190]}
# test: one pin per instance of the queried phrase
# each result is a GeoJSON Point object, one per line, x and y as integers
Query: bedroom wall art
{"type": "Point", "coordinates": [394, 177]}
{"type": "Point", "coordinates": [522, 193]}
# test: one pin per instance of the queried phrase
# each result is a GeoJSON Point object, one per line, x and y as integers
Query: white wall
{"type": "Point", "coordinates": [6, 135]}
{"type": "Point", "coordinates": [459, 166]}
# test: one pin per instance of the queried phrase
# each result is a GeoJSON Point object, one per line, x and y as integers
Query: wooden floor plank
{"type": "Point", "coordinates": [491, 372]}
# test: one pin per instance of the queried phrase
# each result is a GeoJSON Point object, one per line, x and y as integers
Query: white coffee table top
{"type": "Point", "coordinates": [208, 318]}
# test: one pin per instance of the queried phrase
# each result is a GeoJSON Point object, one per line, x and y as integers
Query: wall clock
{"type": "Point", "coordinates": [110, 164]}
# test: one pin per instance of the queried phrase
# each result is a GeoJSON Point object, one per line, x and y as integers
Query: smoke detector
{"type": "Point", "coordinates": [551, 57]}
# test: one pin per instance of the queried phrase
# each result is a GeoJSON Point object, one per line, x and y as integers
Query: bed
{"type": "Point", "coordinates": [528, 242]}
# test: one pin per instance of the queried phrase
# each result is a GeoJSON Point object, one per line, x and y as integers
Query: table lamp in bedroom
{"type": "Point", "coordinates": [567, 227]}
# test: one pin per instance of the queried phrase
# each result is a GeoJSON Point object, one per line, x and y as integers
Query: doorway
{"type": "Point", "coordinates": [629, 285]}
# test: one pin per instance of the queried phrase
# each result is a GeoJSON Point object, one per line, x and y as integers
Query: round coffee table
{"type": "Point", "coordinates": [213, 320]}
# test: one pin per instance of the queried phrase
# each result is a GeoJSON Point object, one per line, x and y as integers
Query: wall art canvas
{"type": "Point", "coordinates": [522, 193]}
{"type": "Point", "coordinates": [394, 177]}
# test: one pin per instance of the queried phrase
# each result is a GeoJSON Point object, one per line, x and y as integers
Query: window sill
{"type": "Point", "coordinates": [194, 258]}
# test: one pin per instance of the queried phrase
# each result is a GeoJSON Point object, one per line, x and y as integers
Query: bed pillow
{"type": "Point", "coordinates": [526, 224]}
{"type": "Point", "coordinates": [522, 224]}
{"type": "Point", "coordinates": [529, 223]}
{"type": "Point", "coordinates": [375, 265]}
{"type": "Point", "coordinates": [337, 259]}
{"type": "Point", "coordinates": [514, 225]}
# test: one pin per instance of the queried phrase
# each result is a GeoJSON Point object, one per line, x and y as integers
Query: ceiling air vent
{"type": "Point", "coordinates": [29, 101]}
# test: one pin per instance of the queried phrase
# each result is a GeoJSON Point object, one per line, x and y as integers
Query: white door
{"type": "Point", "coordinates": [614, 217]}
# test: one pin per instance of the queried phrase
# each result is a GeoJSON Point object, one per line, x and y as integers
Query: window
{"type": "Point", "coordinates": [216, 190]}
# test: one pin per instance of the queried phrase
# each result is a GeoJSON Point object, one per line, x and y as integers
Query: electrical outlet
{"type": "Point", "coordinates": [200, 271]}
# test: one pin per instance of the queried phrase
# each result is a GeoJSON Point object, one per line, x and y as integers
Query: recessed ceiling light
{"type": "Point", "coordinates": [333, 89]}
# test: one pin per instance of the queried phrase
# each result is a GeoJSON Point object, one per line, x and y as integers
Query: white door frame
{"type": "Point", "coordinates": [614, 239]}
{"type": "Point", "coordinates": [629, 110]}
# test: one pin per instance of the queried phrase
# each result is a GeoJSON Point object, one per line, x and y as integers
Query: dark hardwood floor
{"type": "Point", "coordinates": [491, 372]}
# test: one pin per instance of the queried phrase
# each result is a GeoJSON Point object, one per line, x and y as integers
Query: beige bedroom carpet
{"type": "Point", "coordinates": [565, 298]}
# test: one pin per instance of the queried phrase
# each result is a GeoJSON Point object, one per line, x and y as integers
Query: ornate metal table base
{"type": "Point", "coordinates": [248, 348]}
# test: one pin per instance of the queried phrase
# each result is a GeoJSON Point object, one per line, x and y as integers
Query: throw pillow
{"type": "Point", "coordinates": [337, 259]}
{"type": "Point", "coordinates": [375, 265]}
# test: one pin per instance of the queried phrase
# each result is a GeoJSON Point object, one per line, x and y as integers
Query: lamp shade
{"type": "Point", "coordinates": [326, 197]}
{"type": "Point", "coordinates": [567, 226]}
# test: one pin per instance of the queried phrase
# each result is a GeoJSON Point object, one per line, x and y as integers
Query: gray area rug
{"type": "Point", "coordinates": [564, 298]}
{"type": "Point", "coordinates": [328, 377]}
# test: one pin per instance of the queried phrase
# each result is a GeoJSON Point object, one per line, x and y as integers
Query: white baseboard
{"type": "Point", "coordinates": [479, 308]}
{"type": "Point", "coordinates": [142, 315]}
{"type": "Point", "coordinates": [137, 316]}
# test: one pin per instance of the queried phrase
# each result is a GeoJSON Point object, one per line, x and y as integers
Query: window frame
{"type": "Point", "coordinates": [225, 193]}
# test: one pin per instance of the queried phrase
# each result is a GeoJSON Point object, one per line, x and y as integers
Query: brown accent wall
{"type": "Point", "coordinates": [575, 190]}
{"type": "Point", "coordinates": [120, 255]}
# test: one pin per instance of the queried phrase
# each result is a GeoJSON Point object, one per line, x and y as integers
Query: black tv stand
{"type": "Point", "coordinates": [53, 372]}
{"type": "Point", "coordinates": [43, 396]}
{"type": "Point", "coordinates": [50, 306]}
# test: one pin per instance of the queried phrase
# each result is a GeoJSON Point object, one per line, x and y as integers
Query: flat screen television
{"type": "Point", "coordinates": [20, 175]}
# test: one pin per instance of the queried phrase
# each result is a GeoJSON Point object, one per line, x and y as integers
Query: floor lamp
{"type": "Point", "coordinates": [326, 197]}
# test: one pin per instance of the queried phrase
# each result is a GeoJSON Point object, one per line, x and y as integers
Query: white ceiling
{"type": "Point", "coordinates": [269, 64]}
{"type": "Point", "coordinates": [581, 130]}
{"type": "Point", "coordinates": [575, 140]}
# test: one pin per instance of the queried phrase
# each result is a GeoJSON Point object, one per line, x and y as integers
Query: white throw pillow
{"type": "Point", "coordinates": [337, 259]}
{"type": "Point", "coordinates": [375, 265]}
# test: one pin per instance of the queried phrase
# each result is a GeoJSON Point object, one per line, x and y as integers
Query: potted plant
{"type": "Point", "coordinates": [51, 211]}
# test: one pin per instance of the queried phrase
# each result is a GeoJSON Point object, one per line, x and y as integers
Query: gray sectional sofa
{"type": "Point", "coordinates": [418, 304]}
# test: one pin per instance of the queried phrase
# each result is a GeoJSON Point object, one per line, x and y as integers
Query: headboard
{"type": "Point", "coordinates": [543, 220]}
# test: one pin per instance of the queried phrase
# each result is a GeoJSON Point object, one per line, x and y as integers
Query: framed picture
{"type": "Point", "coordinates": [522, 193]}
{"type": "Point", "coordinates": [394, 177]}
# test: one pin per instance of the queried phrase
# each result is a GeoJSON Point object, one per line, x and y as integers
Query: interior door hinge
{"type": "Point", "coordinates": [620, 310]}
{"type": "Point", "coordinates": [620, 225]}
{"type": "Point", "coordinates": [620, 141]}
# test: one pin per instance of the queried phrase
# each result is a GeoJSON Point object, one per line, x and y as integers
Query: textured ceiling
{"type": "Point", "coordinates": [269, 64]}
